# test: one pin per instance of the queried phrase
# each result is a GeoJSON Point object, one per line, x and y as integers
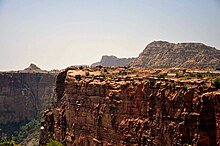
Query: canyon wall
{"type": "Point", "coordinates": [131, 111]}
{"type": "Point", "coordinates": [24, 95]}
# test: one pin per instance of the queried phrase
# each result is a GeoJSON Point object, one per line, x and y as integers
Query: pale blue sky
{"type": "Point", "coordinates": [59, 33]}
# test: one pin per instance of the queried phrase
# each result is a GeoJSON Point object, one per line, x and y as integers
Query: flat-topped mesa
{"type": "Point", "coordinates": [113, 61]}
{"type": "Point", "coordinates": [127, 106]}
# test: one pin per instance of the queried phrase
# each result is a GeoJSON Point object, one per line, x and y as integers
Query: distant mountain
{"type": "Point", "coordinates": [161, 54]}
{"type": "Point", "coordinates": [113, 61]}
{"type": "Point", "coordinates": [33, 67]}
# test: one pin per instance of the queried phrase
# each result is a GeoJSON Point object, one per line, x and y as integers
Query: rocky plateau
{"type": "Point", "coordinates": [130, 106]}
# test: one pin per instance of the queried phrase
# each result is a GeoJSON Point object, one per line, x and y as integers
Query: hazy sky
{"type": "Point", "coordinates": [59, 33]}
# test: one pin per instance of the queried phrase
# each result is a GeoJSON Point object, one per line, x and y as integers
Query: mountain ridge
{"type": "Point", "coordinates": [162, 54]}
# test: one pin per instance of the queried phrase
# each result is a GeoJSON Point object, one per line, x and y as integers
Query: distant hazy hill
{"type": "Point", "coordinates": [161, 54]}
{"type": "Point", "coordinates": [113, 61]}
{"type": "Point", "coordinates": [33, 67]}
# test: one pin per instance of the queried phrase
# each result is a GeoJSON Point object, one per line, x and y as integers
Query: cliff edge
{"type": "Point", "coordinates": [132, 108]}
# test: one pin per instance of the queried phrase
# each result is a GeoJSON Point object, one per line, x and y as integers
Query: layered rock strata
{"type": "Point", "coordinates": [161, 54]}
{"type": "Point", "coordinates": [131, 111]}
{"type": "Point", "coordinates": [24, 95]}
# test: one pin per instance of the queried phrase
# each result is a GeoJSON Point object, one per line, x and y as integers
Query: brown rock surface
{"type": "Point", "coordinates": [24, 95]}
{"type": "Point", "coordinates": [132, 111]}
{"type": "Point", "coordinates": [161, 54]}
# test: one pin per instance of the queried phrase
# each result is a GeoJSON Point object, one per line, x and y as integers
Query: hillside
{"type": "Point", "coordinates": [113, 61]}
{"type": "Point", "coordinates": [161, 54]}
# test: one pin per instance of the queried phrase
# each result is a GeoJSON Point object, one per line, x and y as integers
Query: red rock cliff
{"type": "Point", "coordinates": [24, 95]}
{"type": "Point", "coordinates": [131, 111]}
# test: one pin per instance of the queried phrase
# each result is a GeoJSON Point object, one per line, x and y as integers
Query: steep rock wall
{"type": "Point", "coordinates": [132, 112]}
{"type": "Point", "coordinates": [24, 95]}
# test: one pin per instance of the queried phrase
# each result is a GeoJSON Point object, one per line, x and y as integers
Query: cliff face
{"type": "Point", "coordinates": [160, 54]}
{"type": "Point", "coordinates": [24, 95]}
{"type": "Point", "coordinates": [113, 61]}
{"type": "Point", "coordinates": [132, 111]}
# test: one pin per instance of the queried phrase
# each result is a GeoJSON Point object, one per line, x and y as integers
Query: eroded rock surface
{"type": "Point", "coordinates": [161, 54]}
{"type": "Point", "coordinates": [24, 95]}
{"type": "Point", "coordinates": [131, 111]}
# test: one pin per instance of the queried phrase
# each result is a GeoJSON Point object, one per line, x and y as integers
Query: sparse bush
{"type": "Point", "coordinates": [152, 82]}
{"type": "Point", "coordinates": [127, 67]}
{"type": "Point", "coordinates": [8, 143]}
{"type": "Point", "coordinates": [216, 83]}
{"type": "Point", "coordinates": [192, 75]}
{"type": "Point", "coordinates": [54, 143]}
{"type": "Point", "coordinates": [161, 76]}
{"type": "Point", "coordinates": [105, 70]}
{"type": "Point", "coordinates": [87, 73]}
{"type": "Point", "coordinates": [122, 72]}
{"type": "Point", "coordinates": [26, 130]}
{"type": "Point", "coordinates": [110, 76]}
{"type": "Point", "coordinates": [184, 87]}
{"type": "Point", "coordinates": [199, 75]}
{"type": "Point", "coordinates": [173, 85]}
{"type": "Point", "coordinates": [5, 142]}
{"type": "Point", "coordinates": [81, 67]}
{"type": "Point", "coordinates": [78, 77]}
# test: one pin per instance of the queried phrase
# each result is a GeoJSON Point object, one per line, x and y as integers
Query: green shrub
{"type": "Point", "coordinates": [122, 72]}
{"type": "Point", "coordinates": [161, 76]}
{"type": "Point", "coordinates": [5, 142]}
{"type": "Point", "coordinates": [8, 143]}
{"type": "Point", "coordinates": [199, 75]}
{"type": "Point", "coordinates": [81, 67]}
{"type": "Point", "coordinates": [87, 73]}
{"type": "Point", "coordinates": [192, 75]}
{"type": "Point", "coordinates": [26, 130]}
{"type": "Point", "coordinates": [110, 76]}
{"type": "Point", "coordinates": [54, 143]}
{"type": "Point", "coordinates": [152, 82]}
{"type": "Point", "coordinates": [184, 87]}
{"type": "Point", "coordinates": [173, 85]}
{"type": "Point", "coordinates": [78, 77]}
{"type": "Point", "coordinates": [216, 83]}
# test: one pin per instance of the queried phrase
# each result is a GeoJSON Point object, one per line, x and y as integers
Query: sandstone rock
{"type": "Point", "coordinates": [161, 54]}
{"type": "Point", "coordinates": [141, 112]}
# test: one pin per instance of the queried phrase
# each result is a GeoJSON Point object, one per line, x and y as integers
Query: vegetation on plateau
{"type": "Point", "coordinates": [216, 83]}
{"type": "Point", "coordinates": [54, 143]}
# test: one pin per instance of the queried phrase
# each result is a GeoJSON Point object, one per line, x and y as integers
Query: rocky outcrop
{"type": "Point", "coordinates": [161, 54]}
{"type": "Point", "coordinates": [32, 139]}
{"type": "Point", "coordinates": [33, 67]}
{"type": "Point", "coordinates": [113, 61]}
{"type": "Point", "coordinates": [131, 110]}
{"type": "Point", "coordinates": [23, 96]}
